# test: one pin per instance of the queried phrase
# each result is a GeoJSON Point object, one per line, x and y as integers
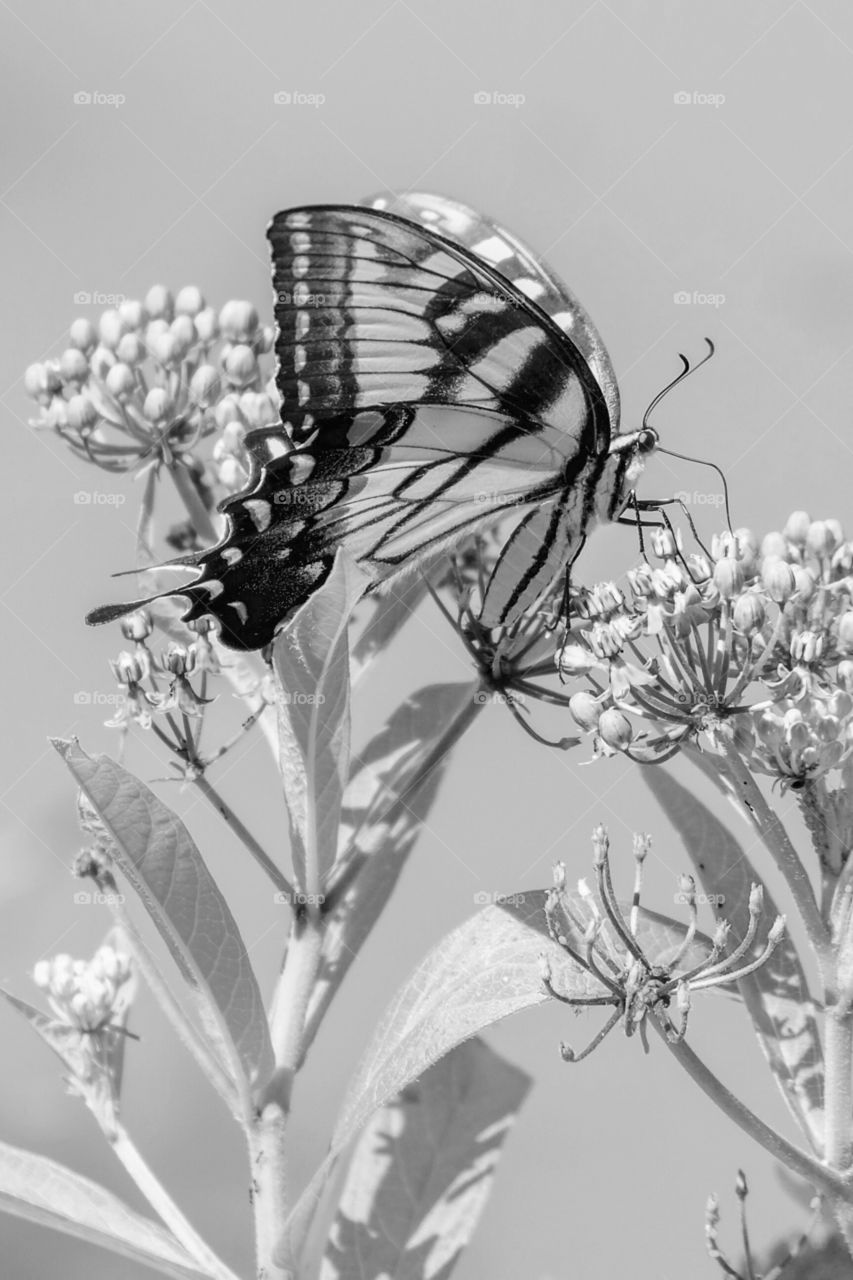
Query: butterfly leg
{"type": "Point", "coordinates": [659, 505]}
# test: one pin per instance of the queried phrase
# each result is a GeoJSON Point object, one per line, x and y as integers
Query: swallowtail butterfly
{"type": "Point", "coordinates": [435, 377]}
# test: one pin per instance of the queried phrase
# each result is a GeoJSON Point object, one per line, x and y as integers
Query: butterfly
{"type": "Point", "coordinates": [435, 377]}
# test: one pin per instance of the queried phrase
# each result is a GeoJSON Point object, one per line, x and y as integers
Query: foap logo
{"type": "Point", "coordinates": [301, 298]}
{"type": "Point", "coordinates": [701, 899]}
{"type": "Point", "coordinates": [696, 499]}
{"type": "Point", "coordinates": [299, 899]}
{"type": "Point", "coordinates": [295, 698]}
{"type": "Point", "coordinates": [696, 298]}
{"type": "Point", "coordinates": [95, 698]}
{"type": "Point", "coordinates": [482, 696]}
{"type": "Point", "coordinates": [83, 98]}
{"type": "Point", "coordinates": [95, 498]}
{"type": "Point", "coordinates": [694, 98]}
{"type": "Point", "coordinates": [296, 98]}
{"type": "Point", "coordinates": [494, 98]}
{"type": "Point", "coordinates": [486, 899]}
{"type": "Point", "coordinates": [90, 298]}
{"type": "Point", "coordinates": [85, 898]}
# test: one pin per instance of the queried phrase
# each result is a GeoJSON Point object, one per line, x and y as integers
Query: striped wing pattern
{"type": "Point", "coordinates": [426, 395]}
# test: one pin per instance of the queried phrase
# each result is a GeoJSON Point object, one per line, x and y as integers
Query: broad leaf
{"type": "Point", "coordinates": [487, 969]}
{"type": "Point", "coordinates": [311, 662]}
{"type": "Point", "coordinates": [42, 1191]}
{"type": "Point", "coordinates": [385, 804]}
{"type": "Point", "coordinates": [423, 1170]}
{"type": "Point", "coordinates": [777, 994]}
{"type": "Point", "coordinates": [156, 854]}
{"type": "Point", "coordinates": [390, 612]}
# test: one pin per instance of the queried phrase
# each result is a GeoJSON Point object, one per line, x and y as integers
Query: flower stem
{"type": "Point", "coordinates": [163, 1204]}
{"type": "Point", "coordinates": [269, 1188]}
{"type": "Point", "coordinates": [263, 859]}
{"type": "Point", "coordinates": [799, 1161]}
{"type": "Point", "coordinates": [778, 844]}
{"type": "Point", "coordinates": [189, 495]}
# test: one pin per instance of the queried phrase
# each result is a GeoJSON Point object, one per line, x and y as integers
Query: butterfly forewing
{"type": "Point", "coordinates": [427, 395]}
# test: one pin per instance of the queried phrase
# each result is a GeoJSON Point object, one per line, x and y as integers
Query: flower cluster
{"type": "Point", "coordinates": [613, 950]}
{"type": "Point", "coordinates": [758, 636]}
{"type": "Point", "coordinates": [166, 691]}
{"type": "Point", "coordinates": [88, 995]}
{"type": "Point", "coordinates": [153, 377]}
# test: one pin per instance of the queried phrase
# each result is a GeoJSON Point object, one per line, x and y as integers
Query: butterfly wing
{"type": "Point", "coordinates": [532, 276]}
{"type": "Point", "coordinates": [425, 393]}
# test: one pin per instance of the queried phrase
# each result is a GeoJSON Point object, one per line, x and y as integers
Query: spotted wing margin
{"type": "Point", "coordinates": [373, 309]}
{"type": "Point", "coordinates": [392, 485]}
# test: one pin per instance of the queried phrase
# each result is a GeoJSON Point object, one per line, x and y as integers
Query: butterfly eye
{"type": "Point", "coordinates": [647, 440]}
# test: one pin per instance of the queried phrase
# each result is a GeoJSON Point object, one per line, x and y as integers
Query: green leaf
{"type": "Point", "coordinates": [156, 854]}
{"type": "Point", "coordinates": [386, 803]}
{"type": "Point", "coordinates": [42, 1191]}
{"type": "Point", "coordinates": [487, 969]}
{"type": "Point", "coordinates": [423, 1170]}
{"type": "Point", "coordinates": [777, 994]}
{"type": "Point", "coordinates": [311, 663]}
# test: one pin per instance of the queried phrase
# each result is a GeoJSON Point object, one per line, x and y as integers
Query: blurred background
{"type": "Point", "coordinates": [687, 169]}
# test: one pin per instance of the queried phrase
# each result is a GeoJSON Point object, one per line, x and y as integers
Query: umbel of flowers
{"type": "Point", "coordinates": [144, 386]}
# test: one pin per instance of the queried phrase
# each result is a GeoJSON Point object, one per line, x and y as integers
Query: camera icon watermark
{"type": "Point", "coordinates": [296, 98]}
{"type": "Point", "coordinates": [494, 98]}
{"type": "Point", "coordinates": [83, 98]}
{"type": "Point", "coordinates": [696, 298]}
{"type": "Point", "coordinates": [482, 696]}
{"type": "Point", "coordinates": [296, 698]}
{"type": "Point", "coordinates": [301, 298]}
{"type": "Point", "coordinates": [694, 98]}
{"type": "Point", "coordinates": [95, 498]}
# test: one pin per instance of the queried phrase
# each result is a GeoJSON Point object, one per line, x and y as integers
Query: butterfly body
{"type": "Point", "coordinates": [425, 394]}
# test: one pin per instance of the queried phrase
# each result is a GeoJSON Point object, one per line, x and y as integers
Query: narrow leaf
{"type": "Point", "coordinates": [157, 855]}
{"type": "Point", "coordinates": [386, 803]}
{"type": "Point", "coordinates": [390, 612]}
{"type": "Point", "coordinates": [423, 1170]}
{"type": "Point", "coordinates": [42, 1191]}
{"type": "Point", "coordinates": [777, 994]}
{"type": "Point", "coordinates": [311, 663]}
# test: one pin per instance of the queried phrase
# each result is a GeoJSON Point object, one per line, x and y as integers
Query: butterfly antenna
{"type": "Point", "coordinates": [687, 369]}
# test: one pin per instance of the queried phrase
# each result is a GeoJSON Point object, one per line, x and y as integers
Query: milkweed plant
{"type": "Point", "coordinates": [739, 659]}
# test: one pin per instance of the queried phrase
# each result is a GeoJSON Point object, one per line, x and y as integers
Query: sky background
{"type": "Point", "coordinates": [651, 150]}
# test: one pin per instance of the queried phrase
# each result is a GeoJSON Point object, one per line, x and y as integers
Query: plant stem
{"type": "Point", "coordinates": [189, 495]}
{"type": "Point", "coordinates": [269, 1189]}
{"type": "Point", "coordinates": [163, 1204]}
{"type": "Point", "coordinates": [263, 859]}
{"type": "Point", "coordinates": [785, 856]}
{"type": "Point", "coordinates": [799, 1161]}
{"type": "Point", "coordinates": [290, 1004]}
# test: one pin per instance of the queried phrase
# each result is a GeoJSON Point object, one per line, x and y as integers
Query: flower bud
{"type": "Point", "coordinates": [844, 674]}
{"type": "Point", "coordinates": [82, 334]}
{"type": "Point", "coordinates": [120, 381]}
{"type": "Point", "coordinates": [166, 348]}
{"type": "Point", "coordinates": [204, 386]}
{"type": "Point", "coordinates": [797, 527]}
{"type": "Point", "coordinates": [842, 560]}
{"type": "Point", "coordinates": [820, 539]}
{"type": "Point", "coordinates": [804, 583]}
{"type": "Point", "coordinates": [130, 668]}
{"type": "Point", "coordinates": [845, 632]}
{"type": "Point", "coordinates": [585, 710]}
{"type": "Point", "coordinates": [233, 436]}
{"type": "Point", "coordinates": [728, 577]}
{"type": "Point", "coordinates": [604, 641]}
{"type": "Point", "coordinates": [641, 580]}
{"type": "Point", "coordinates": [749, 614]}
{"type": "Point", "coordinates": [240, 365]}
{"type": "Point", "coordinates": [663, 544]}
{"type": "Point", "coordinates": [575, 659]}
{"type": "Point", "coordinates": [111, 328]}
{"type": "Point", "coordinates": [35, 381]}
{"type": "Point", "coordinates": [133, 313]}
{"type": "Point", "coordinates": [238, 320]}
{"type": "Point", "coordinates": [228, 410]}
{"type": "Point", "coordinates": [137, 626]}
{"type": "Point", "coordinates": [73, 365]}
{"type": "Point", "coordinates": [82, 414]}
{"type": "Point", "coordinates": [615, 730]}
{"type": "Point", "coordinates": [749, 546]}
{"type": "Point", "coordinates": [265, 341]}
{"type": "Point", "coordinates": [778, 579]}
{"type": "Point", "coordinates": [131, 349]}
{"type": "Point", "coordinates": [183, 334]}
{"type": "Point", "coordinates": [207, 326]}
{"type": "Point", "coordinates": [158, 404]}
{"type": "Point", "coordinates": [101, 361]}
{"type": "Point", "coordinates": [807, 646]}
{"type": "Point", "coordinates": [232, 474]}
{"type": "Point", "coordinates": [179, 660]}
{"type": "Point", "coordinates": [189, 301]}
{"type": "Point", "coordinates": [159, 302]}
